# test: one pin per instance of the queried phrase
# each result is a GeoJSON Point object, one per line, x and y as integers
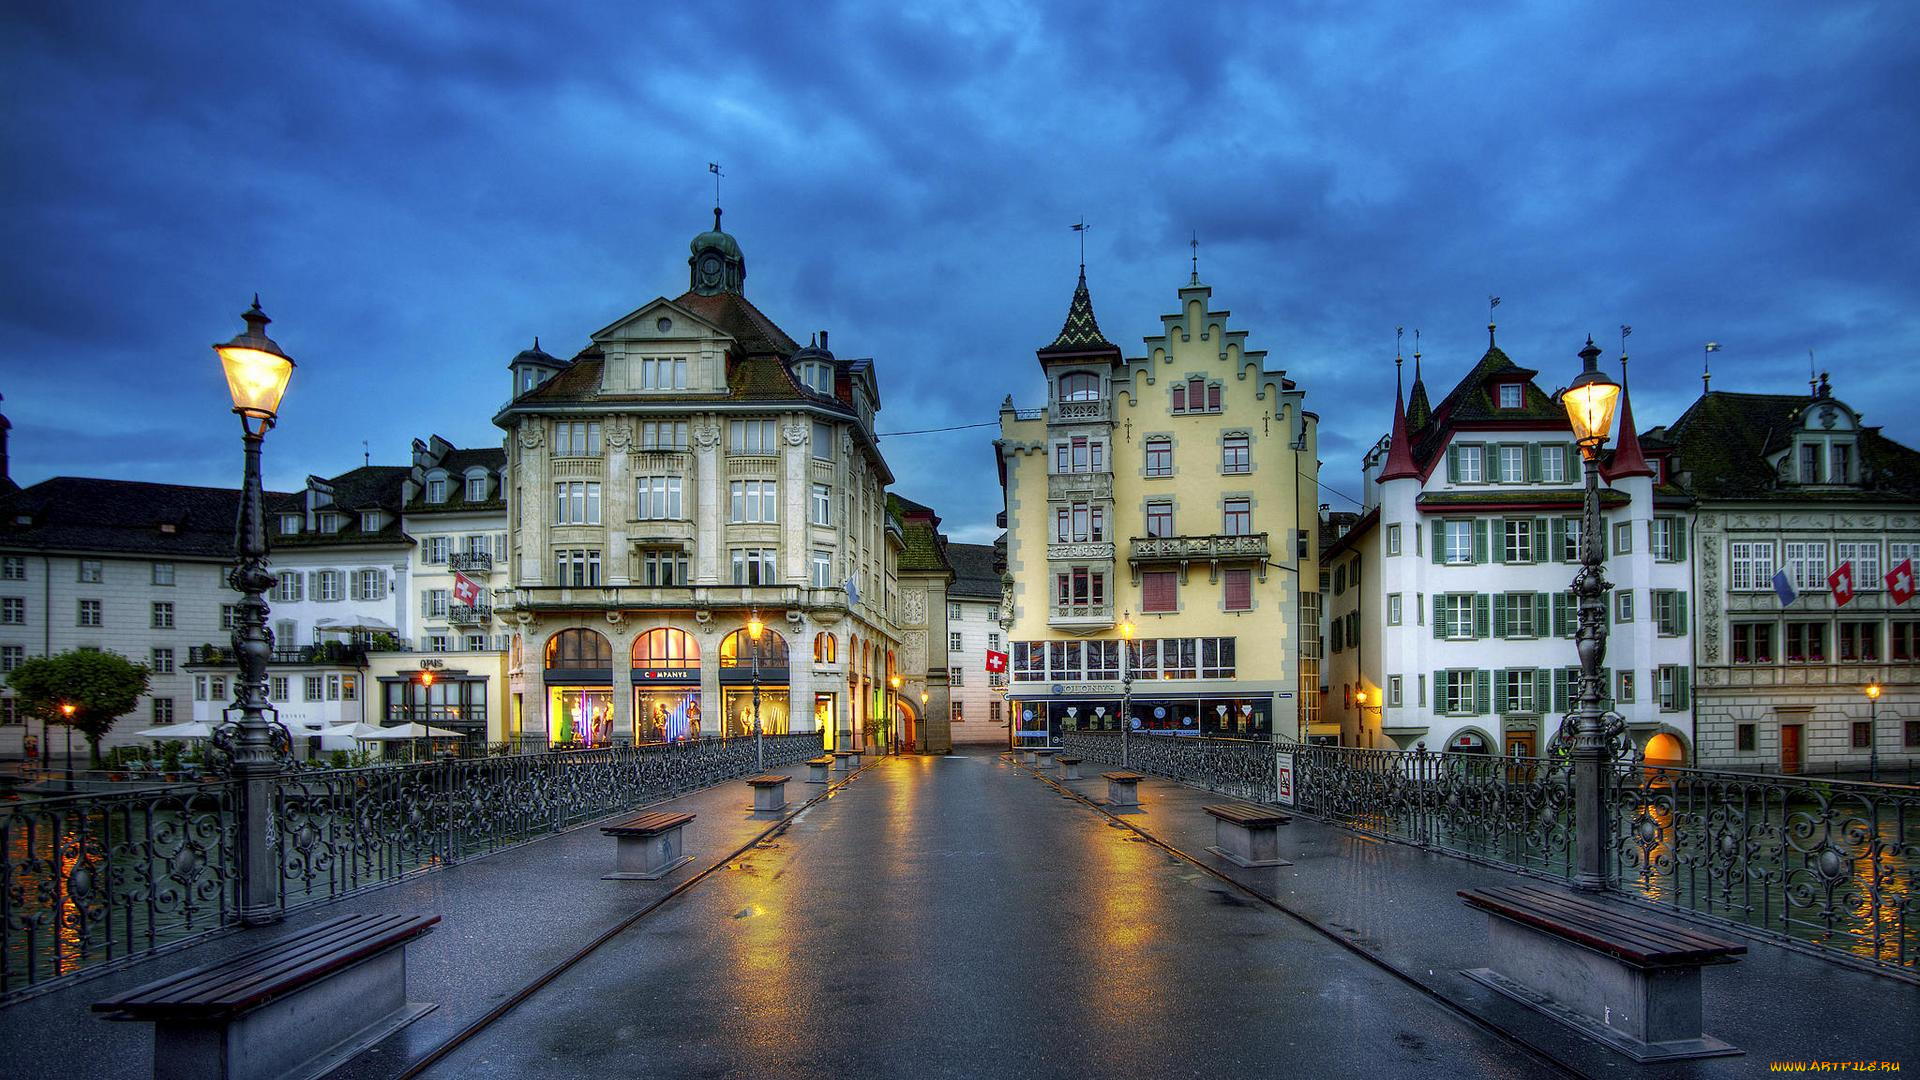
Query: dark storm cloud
{"type": "Point", "coordinates": [418, 191]}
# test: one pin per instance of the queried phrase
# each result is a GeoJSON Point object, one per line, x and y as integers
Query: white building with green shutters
{"type": "Point", "coordinates": [1450, 620]}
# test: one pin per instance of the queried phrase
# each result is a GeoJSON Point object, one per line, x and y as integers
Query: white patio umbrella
{"type": "Point", "coordinates": [412, 731]}
{"type": "Point", "coordinates": [177, 731]}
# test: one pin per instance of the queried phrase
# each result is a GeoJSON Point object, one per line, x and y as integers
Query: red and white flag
{"type": "Point", "coordinates": [996, 661]}
{"type": "Point", "coordinates": [1841, 582]}
{"type": "Point", "coordinates": [465, 591]}
{"type": "Point", "coordinates": [1900, 582]}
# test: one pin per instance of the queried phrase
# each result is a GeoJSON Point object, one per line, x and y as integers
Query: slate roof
{"type": "Point", "coordinates": [457, 462]}
{"type": "Point", "coordinates": [1081, 332]}
{"type": "Point", "coordinates": [973, 574]}
{"type": "Point", "coordinates": [1471, 400]}
{"type": "Point", "coordinates": [735, 314]}
{"type": "Point", "coordinates": [75, 513]}
{"type": "Point", "coordinates": [369, 487]}
{"type": "Point", "coordinates": [922, 548]}
{"type": "Point", "coordinates": [1722, 441]}
{"type": "Point", "coordinates": [1337, 525]}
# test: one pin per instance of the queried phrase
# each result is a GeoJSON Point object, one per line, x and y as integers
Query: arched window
{"type": "Point", "coordinates": [823, 648]}
{"type": "Point", "coordinates": [737, 649]}
{"type": "Point", "coordinates": [666, 648]}
{"type": "Point", "coordinates": [579, 648]}
{"type": "Point", "coordinates": [1080, 386]}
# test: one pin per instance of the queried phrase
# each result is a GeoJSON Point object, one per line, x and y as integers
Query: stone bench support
{"type": "Point", "coordinates": [769, 793]}
{"type": "Point", "coordinates": [1070, 767]}
{"type": "Point", "coordinates": [1123, 790]}
{"type": "Point", "coordinates": [648, 847]}
{"type": "Point", "coordinates": [818, 768]}
{"type": "Point", "coordinates": [1247, 835]}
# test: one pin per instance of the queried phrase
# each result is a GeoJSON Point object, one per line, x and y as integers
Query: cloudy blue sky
{"type": "Point", "coordinates": [418, 189]}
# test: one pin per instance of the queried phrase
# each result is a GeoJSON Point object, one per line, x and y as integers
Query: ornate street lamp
{"type": "Point", "coordinates": [754, 629]}
{"type": "Point", "coordinates": [1589, 403]}
{"type": "Point", "coordinates": [66, 710]}
{"type": "Point", "coordinates": [1126, 690]}
{"type": "Point", "coordinates": [893, 711]}
{"type": "Point", "coordinates": [1873, 731]}
{"type": "Point", "coordinates": [257, 745]}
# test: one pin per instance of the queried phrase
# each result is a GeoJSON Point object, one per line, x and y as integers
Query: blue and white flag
{"type": "Point", "coordinates": [853, 593]}
{"type": "Point", "coordinates": [1784, 588]}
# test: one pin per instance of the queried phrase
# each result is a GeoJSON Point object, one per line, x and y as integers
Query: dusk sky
{"type": "Point", "coordinates": [417, 190]}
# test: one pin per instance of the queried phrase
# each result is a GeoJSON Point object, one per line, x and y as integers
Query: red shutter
{"type": "Point", "coordinates": [1213, 399]}
{"type": "Point", "coordinates": [1159, 591]}
{"type": "Point", "coordinates": [1180, 399]}
{"type": "Point", "coordinates": [1239, 590]}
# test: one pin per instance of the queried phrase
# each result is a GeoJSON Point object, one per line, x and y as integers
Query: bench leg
{"type": "Point", "coordinates": [647, 858]}
{"type": "Point", "coordinates": [770, 800]}
{"type": "Point", "coordinates": [1249, 847]}
{"type": "Point", "coordinates": [1123, 796]}
{"type": "Point", "coordinates": [1073, 772]}
{"type": "Point", "coordinates": [816, 774]}
{"type": "Point", "coordinates": [309, 1033]}
{"type": "Point", "coordinates": [1649, 1014]}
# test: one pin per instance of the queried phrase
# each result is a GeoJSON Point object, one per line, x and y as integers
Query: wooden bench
{"type": "Point", "coordinates": [648, 846]}
{"type": "Point", "coordinates": [300, 1006]}
{"type": "Point", "coordinates": [1620, 975]}
{"type": "Point", "coordinates": [1072, 767]}
{"type": "Point", "coordinates": [1043, 756]}
{"type": "Point", "coordinates": [1123, 789]}
{"type": "Point", "coordinates": [817, 769]}
{"type": "Point", "coordinates": [846, 760]}
{"type": "Point", "coordinates": [769, 793]}
{"type": "Point", "coordinates": [1247, 835]}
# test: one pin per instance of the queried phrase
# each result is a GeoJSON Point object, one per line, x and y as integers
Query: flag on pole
{"type": "Point", "coordinates": [465, 590]}
{"type": "Point", "coordinates": [996, 662]}
{"type": "Point", "coordinates": [1841, 582]}
{"type": "Point", "coordinates": [1900, 582]}
{"type": "Point", "coordinates": [853, 593]}
{"type": "Point", "coordinates": [1784, 588]}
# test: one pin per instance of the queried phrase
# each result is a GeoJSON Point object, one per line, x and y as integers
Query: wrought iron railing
{"type": "Point", "coordinates": [349, 829]}
{"type": "Point", "coordinates": [1243, 768]}
{"type": "Point", "coordinates": [471, 562]}
{"type": "Point", "coordinates": [92, 879]}
{"type": "Point", "coordinates": [1829, 863]}
{"type": "Point", "coordinates": [468, 615]}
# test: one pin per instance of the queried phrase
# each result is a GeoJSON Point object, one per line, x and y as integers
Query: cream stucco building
{"type": "Point", "coordinates": [1177, 491]}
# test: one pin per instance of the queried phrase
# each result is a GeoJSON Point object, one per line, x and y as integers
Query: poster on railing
{"type": "Point", "coordinates": [1283, 779]}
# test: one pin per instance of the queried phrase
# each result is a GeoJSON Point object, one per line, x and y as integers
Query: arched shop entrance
{"type": "Point", "coordinates": [909, 722]}
{"type": "Point", "coordinates": [666, 686]}
{"type": "Point", "coordinates": [1467, 742]}
{"type": "Point", "coordinates": [579, 680]}
{"type": "Point", "coordinates": [737, 653]}
{"type": "Point", "coordinates": [1665, 751]}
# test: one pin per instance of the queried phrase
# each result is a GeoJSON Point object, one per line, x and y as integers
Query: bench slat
{"type": "Point", "coordinates": [254, 978]}
{"type": "Point", "coordinates": [768, 780]}
{"type": "Point", "coordinates": [1123, 777]}
{"type": "Point", "coordinates": [1616, 932]}
{"type": "Point", "coordinates": [1625, 923]}
{"type": "Point", "coordinates": [1247, 814]}
{"type": "Point", "coordinates": [648, 824]}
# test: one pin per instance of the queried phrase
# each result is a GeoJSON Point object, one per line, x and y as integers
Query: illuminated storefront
{"type": "Point", "coordinates": [666, 687]}
{"type": "Point", "coordinates": [738, 652]}
{"type": "Point", "coordinates": [579, 678]}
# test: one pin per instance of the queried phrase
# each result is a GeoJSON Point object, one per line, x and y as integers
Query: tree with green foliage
{"type": "Point", "coordinates": [101, 686]}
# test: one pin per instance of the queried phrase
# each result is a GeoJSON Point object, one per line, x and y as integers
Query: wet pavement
{"type": "Point", "coordinates": [952, 917]}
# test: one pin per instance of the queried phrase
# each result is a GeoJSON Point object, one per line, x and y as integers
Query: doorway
{"type": "Point", "coordinates": [1520, 744]}
{"type": "Point", "coordinates": [1790, 749]}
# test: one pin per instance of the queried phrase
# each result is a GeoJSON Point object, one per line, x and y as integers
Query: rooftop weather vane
{"type": "Point", "coordinates": [714, 168]}
{"type": "Point", "coordinates": [1492, 302]}
{"type": "Point", "coordinates": [1081, 228]}
{"type": "Point", "coordinates": [1706, 366]}
{"type": "Point", "coordinates": [1194, 243]}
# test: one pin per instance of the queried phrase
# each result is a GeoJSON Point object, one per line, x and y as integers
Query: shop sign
{"type": "Point", "coordinates": [1283, 778]}
{"type": "Point", "coordinates": [669, 676]}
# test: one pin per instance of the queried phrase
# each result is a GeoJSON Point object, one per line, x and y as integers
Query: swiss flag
{"type": "Point", "coordinates": [465, 591]}
{"type": "Point", "coordinates": [996, 661]}
{"type": "Point", "coordinates": [1900, 582]}
{"type": "Point", "coordinates": [1841, 582]}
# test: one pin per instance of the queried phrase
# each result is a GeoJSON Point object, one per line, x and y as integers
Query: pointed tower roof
{"type": "Point", "coordinates": [1081, 333]}
{"type": "Point", "coordinates": [1399, 448]}
{"type": "Point", "coordinates": [1627, 458]}
{"type": "Point", "coordinates": [1418, 411]}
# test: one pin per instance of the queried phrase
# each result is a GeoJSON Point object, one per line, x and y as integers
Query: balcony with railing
{"type": "Point", "coordinates": [1144, 550]}
{"type": "Point", "coordinates": [1083, 485]}
{"type": "Point", "coordinates": [1082, 551]}
{"type": "Point", "coordinates": [470, 562]}
{"type": "Point", "coordinates": [1080, 616]}
{"type": "Point", "coordinates": [326, 654]}
{"type": "Point", "coordinates": [1079, 412]}
{"type": "Point", "coordinates": [468, 615]}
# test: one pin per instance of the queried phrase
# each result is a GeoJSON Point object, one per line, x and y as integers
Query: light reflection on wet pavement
{"type": "Point", "coordinates": [951, 917]}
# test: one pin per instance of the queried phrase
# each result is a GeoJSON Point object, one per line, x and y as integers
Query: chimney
{"type": "Point", "coordinates": [823, 342]}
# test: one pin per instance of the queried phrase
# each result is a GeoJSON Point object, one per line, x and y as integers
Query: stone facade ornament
{"type": "Point", "coordinates": [794, 434]}
{"type": "Point", "coordinates": [620, 434]}
{"type": "Point", "coordinates": [913, 608]}
{"type": "Point", "coordinates": [531, 436]}
{"type": "Point", "coordinates": [706, 436]}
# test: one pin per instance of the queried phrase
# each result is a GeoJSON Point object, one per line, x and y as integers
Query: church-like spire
{"type": "Point", "coordinates": [1399, 448]}
{"type": "Point", "coordinates": [1627, 457]}
{"type": "Point", "coordinates": [1418, 410]}
{"type": "Point", "coordinates": [1082, 330]}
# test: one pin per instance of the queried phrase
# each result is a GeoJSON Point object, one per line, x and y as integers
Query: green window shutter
{"type": "Point", "coordinates": [1439, 615]}
{"type": "Point", "coordinates": [1482, 617]}
{"type": "Point", "coordinates": [1540, 614]}
{"type": "Point", "coordinates": [1556, 539]}
{"type": "Point", "coordinates": [1560, 692]}
{"type": "Point", "coordinates": [1480, 540]}
{"type": "Point", "coordinates": [1439, 543]}
{"type": "Point", "coordinates": [1559, 614]}
{"type": "Point", "coordinates": [1453, 464]}
{"type": "Point", "coordinates": [1679, 612]}
{"type": "Point", "coordinates": [1542, 692]}
{"type": "Point", "coordinates": [1481, 693]}
{"type": "Point", "coordinates": [1499, 615]}
{"type": "Point", "coordinates": [1533, 463]}
{"type": "Point", "coordinates": [1540, 540]}
{"type": "Point", "coordinates": [1682, 692]}
{"type": "Point", "coordinates": [1440, 691]}
{"type": "Point", "coordinates": [1497, 531]}
{"type": "Point", "coordinates": [1500, 702]}
{"type": "Point", "coordinates": [1679, 538]}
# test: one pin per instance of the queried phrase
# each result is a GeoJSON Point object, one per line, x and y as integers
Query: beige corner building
{"type": "Point", "coordinates": [1174, 493]}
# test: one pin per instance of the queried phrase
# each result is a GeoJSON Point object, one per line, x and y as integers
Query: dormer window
{"type": "Point", "coordinates": [1080, 386]}
{"type": "Point", "coordinates": [815, 376]}
{"type": "Point", "coordinates": [290, 524]}
{"type": "Point", "coordinates": [329, 522]}
{"type": "Point", "coordinates": [1510, 395]}
{"type": "Point", "coordinates": [477, 487]}
{"type": "Point", "coordinates": [1810, 463]}
{"type": "Point", "coordinates": [437, 489]}
{"type": "Point", "coordinates": [370, 521]}
{"type": "Point", "coordinates": [1840, 462]}
{"type": "Point", "coordinates": [663, 373]}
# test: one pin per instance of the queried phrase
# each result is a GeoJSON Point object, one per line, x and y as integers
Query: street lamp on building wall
{"type": "Point", "coordinates": [1126, 690]}
{"type": "Point", "coordinates": [754, 629]}
{"type": "Point", "coordinates": [894, 712]}
{"type": "Point", "coordinates": [1590, 403]}
{"type": "Point", "coordinates": [1873, 731]}
{"type": "Point", "coordinates": [256, 745]}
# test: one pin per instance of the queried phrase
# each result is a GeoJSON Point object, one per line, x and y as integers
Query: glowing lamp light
{"type": "Point", "coordinates": [257, 369]}
{"type": "Point", "coordinates": [755, 627]}
{"type": "Point", "coordinates": [1873, 691]}
{"type": "Point", "coordinates": [426, 678]}
{"type": "Point", "coordinates": [1360, 697]}
{"type": "Point", "coordinates": [1590, 402]}
{"type": "Point", "coordinates": [1126, 625]}
{"type": "Point", "coordinates": [896, 682]}
{"type": "Point", "coordinates": [66, 709]}
{"type": "Point", "coordinates": [923, 697]}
